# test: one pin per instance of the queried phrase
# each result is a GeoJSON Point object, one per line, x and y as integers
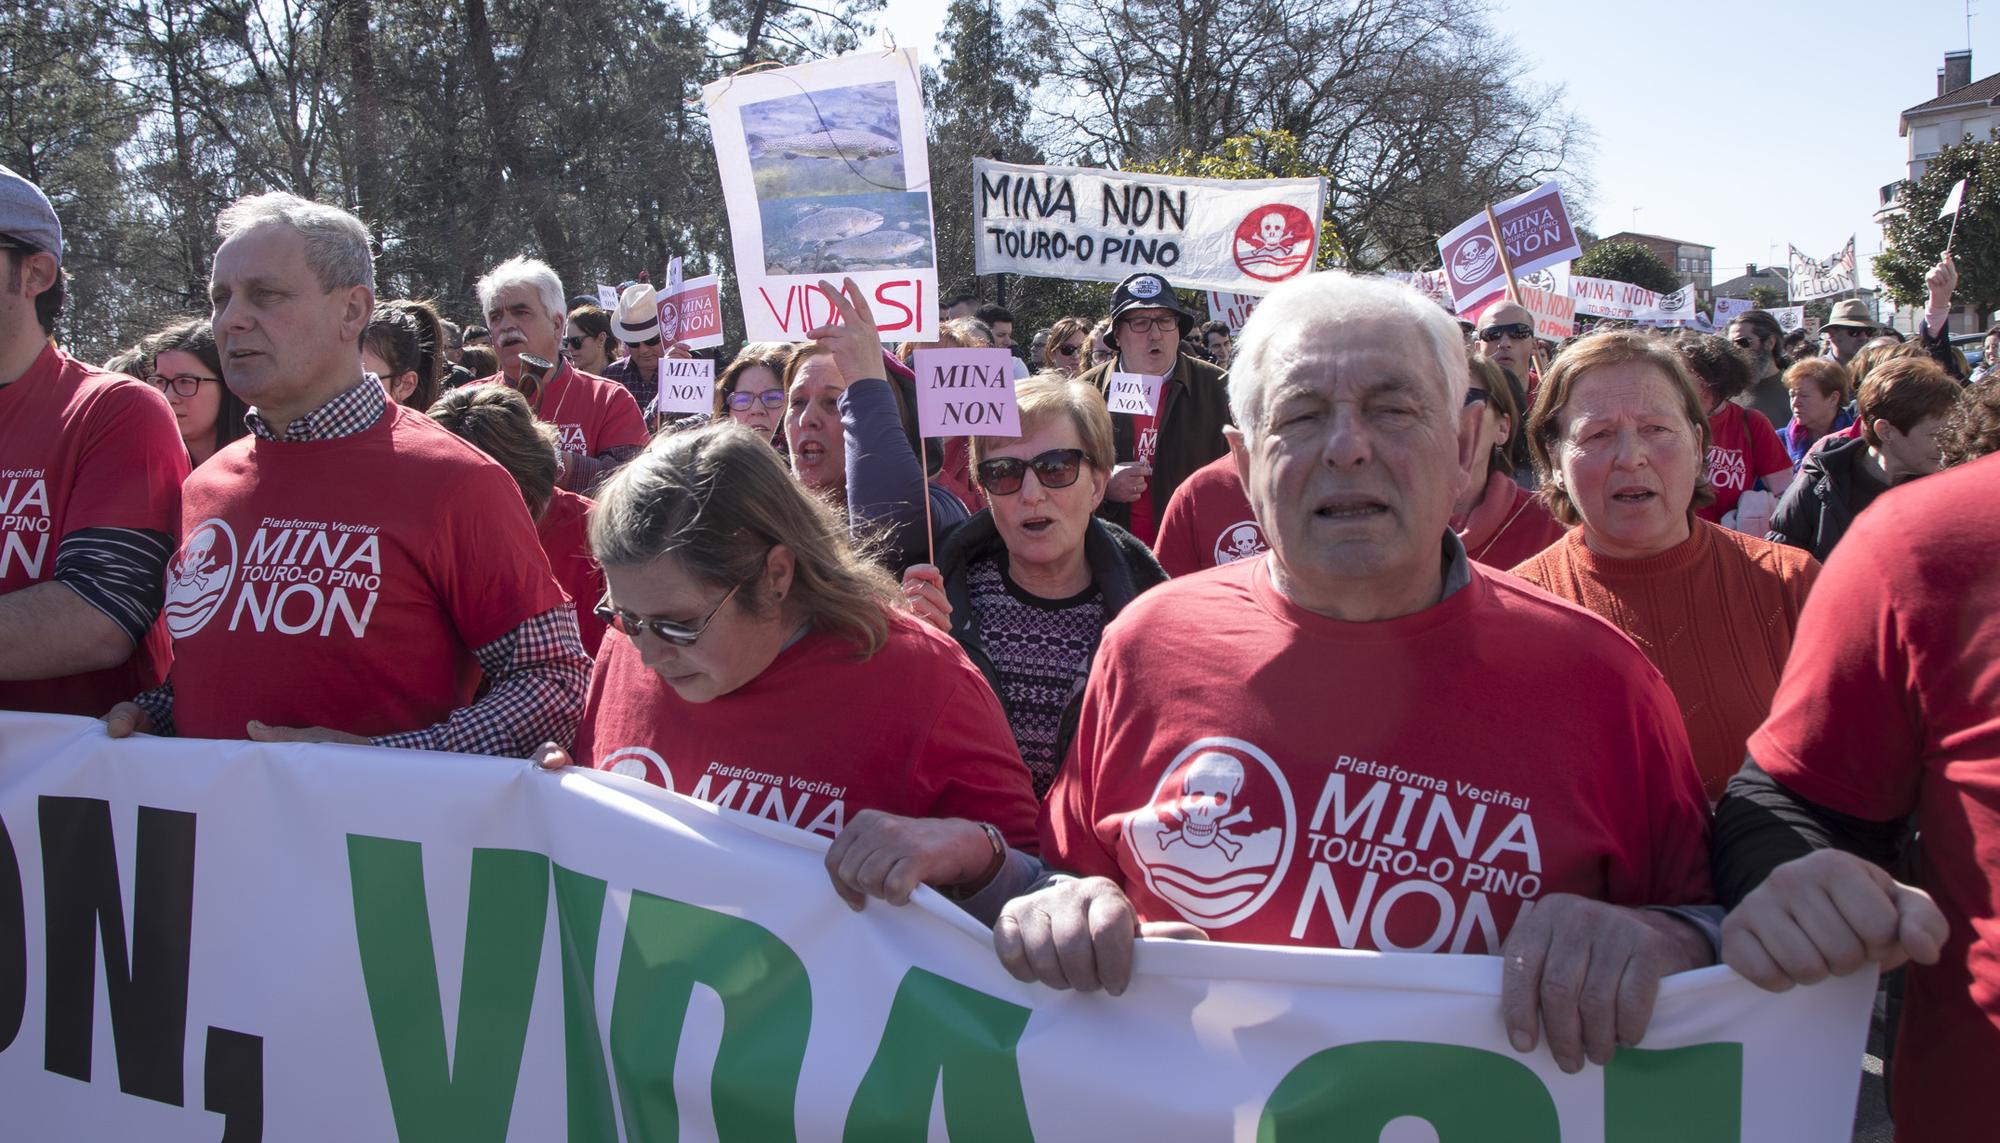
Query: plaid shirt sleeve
{"type": "Point", "coordinates": [158, 704]}
{"type": "Point", "coordinates": [538, 676]}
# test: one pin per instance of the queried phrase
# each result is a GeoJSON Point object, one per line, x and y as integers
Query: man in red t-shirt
{"type": "Point", "coordinates": [1362, 739]}
{"type": "Point", "coordinates": [90, 487]}
{"type": "Point", "coordinates": [315, 597]}
{"type": "Point", "coordinates": [1208, 522]}
{"type": "Point", "coordinates": [1889, 706]}
{"type": "Point", "coordinates": [596, 419]}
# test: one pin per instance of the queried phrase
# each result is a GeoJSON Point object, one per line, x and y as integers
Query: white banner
{"type": "Point", "coordinates": [1240, 236]}
{"type": "Point", "coordinates": [1233, 309]}
{"type": "Point", "coordinates": [826, 173]}
{"type": "Point", "coordinates": [1432, 283]}
{"type": "Point", "coordinates": [1726, 310]}
{"type": "Point", "coordinates": [1790, 317]}
{"type": "Point", "coordinates": [1813, 278]}
{"type": "Point", "coordinates": [1627, 302]}
{"type": "Point", "coordinates": [347, 943]}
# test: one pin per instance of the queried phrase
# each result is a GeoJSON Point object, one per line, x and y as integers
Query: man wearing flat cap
{"type": "Point", "coordinates": [91, 465]}
{"type": "Point", "coordinates": [1156, 453]}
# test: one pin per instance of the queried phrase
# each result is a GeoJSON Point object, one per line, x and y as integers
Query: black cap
{"type": "Point", "coordinates": [1145, 292]}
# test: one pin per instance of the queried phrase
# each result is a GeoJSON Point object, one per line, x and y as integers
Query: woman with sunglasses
{"type": "Point", "coordinates": [1064, 350]}
{"type": "Point", "coordinates": [751, 391]}
{"type": "Point", "coordinates": [187, 368]}
{"type": "Point", "coordinates": [1027, 585]}
{"type": "Point", "coordinates": [758, 662]}
{"type": "Point", "coordinates": [1499, 522]}
{"type": "Point", "coordinates": [587, 339]}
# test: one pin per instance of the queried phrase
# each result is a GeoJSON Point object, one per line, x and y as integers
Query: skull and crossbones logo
{"type": "Point", "coordinates": [197, 563]}
{"type": "Point", "coordinates": [1271, 234]}
{"type": "Point", "coordinates": [1242, 542]}
{"type": "Point", "coordinates": [1208, 789]}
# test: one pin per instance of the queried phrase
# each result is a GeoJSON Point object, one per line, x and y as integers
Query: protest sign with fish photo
{"type": "Point", "coordinates": [825, 174]}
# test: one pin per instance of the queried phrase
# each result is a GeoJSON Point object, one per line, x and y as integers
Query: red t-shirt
{"type": "Point", "coordinates": [1742, 448]}
{"type": "Point", "coordinates": [346, 583]}
{"type": "Point", "coordinates": [590, 413]}
{"type": "Point", "coordinates": [819, 737]}
{"type": "Point", "coordinates": [79, 449]}
{"type": "Point", "coordinates": [1278, 777]}
{"type": "Point", "coordinates": [1208, 521]}
{"type": "Point", "coordinates": [1145, 442]}
{"type": "Point", "coordinates": [1508, 525]}
{"type": "Point", "coordinates": [1890, 703]}
{"type": "Point", "coordinates": [565, 534]}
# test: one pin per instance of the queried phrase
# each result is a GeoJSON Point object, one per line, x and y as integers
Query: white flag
{"type": "Point", "coordinates": [1952, 200]}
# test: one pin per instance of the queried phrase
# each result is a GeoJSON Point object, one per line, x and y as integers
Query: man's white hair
{"type": "Point", "coordinates": [336, 242]}
{"type": "Point", "coordinates": [519, 271]}
{"type": "Point", "coordinates": [1324, 304]}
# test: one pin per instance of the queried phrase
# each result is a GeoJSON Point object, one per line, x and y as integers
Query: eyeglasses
{"type": "Point", "coordinates": [1476, 397]}
{"type": "Point", "coordinates": [769, 398]}
{"type": "Point", "coordinates": [1149, 324]}
{"type": "Point", "coordinates": [575, 343]}
{"type": "Point", "coordinates": [665, 630]}
{"type": "Point", "coordinates": [181, 384]}
{"type": "Point", "coordinates": [1519, 331]}
{"type": "Point", "coordinates": [652, 342]}
{"type": "Point", "coordinates": [1068, 350]}
{"type": "Point", "coordinates": [1056, 468]}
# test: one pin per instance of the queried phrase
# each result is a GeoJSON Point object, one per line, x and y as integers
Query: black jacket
{"type": "Point", "coordinates": [1816, 510]}
{"type": "Point", "coordinates": [1196, 403]}
{"type": "Point", "coordinates": [1120, 566]}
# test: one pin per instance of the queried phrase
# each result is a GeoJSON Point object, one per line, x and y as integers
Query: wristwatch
{"type": "Point", "coordinates": [968, 887]}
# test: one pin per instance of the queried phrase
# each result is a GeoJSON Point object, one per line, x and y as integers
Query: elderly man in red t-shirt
{"type": "Point", "coordinates": [351, 571]}
{"type": "Point", "coordinates": [596, 420]}
{"type": "Point", "coordinates": [1362, 739]}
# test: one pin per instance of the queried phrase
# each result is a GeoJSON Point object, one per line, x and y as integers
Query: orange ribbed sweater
{"type": "Point", "coordinates": [1715, 614]}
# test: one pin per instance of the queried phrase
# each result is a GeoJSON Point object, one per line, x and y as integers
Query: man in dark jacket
{"type": "Point", "coordinates": [1156, 453]}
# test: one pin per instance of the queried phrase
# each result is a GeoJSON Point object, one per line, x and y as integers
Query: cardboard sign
{"type": "Point", "coordinates": [1812, 278]}
{"type": "Point", "coordinates": [1536, 230]}
{"type": "Point", "coordinates": [1135, 393]}
{"type": "Point", "coordinates": [966, 392]}
{"type": "Point", "coordinates": [1232, 309]}
{"type": "Point", "coordinates": [826, 176]}
{"type": "Point", "coordinates": [687, 385]}
{"type": "Point", "coordinates": [1230, 235]}
{"type": "Point", "coordinates": [607, 297]}
{"type": "Point", "coordinates": [692, 314]}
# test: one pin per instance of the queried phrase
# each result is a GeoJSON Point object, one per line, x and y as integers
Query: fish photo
{"type": "Point", "coordinates": [841, 234]}
{"type": "Point", "coordinates": [837, 141]}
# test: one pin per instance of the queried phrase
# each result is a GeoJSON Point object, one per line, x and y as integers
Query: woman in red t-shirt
{"type": "Point", "coordinates": [761, 664]}
{"type": "Point", "coordinates": [1744, 452]}
{"type": "Point", "coordinates": [497, 421]}
{"type": "Point", "coordinates": [186, 367]}
{"type": "Point", "coordinates": [1499, 522]}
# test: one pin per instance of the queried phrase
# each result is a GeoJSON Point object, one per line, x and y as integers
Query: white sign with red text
{"type": "Point", "coordinates": [1232, 309]}
{"type": "Point", "coordinates": [826, 175]}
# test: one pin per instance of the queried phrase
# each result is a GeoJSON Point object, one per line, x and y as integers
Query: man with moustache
{"type": "Point", "coordinates": [1156, 453]}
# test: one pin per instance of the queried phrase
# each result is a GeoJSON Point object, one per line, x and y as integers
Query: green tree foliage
{"type": "Point", "coordinates": [1766, 297]}
{"type": "Point", "coordinates": [1627, 262]}
{"type": "Point", "coordinates": [1916, 238]}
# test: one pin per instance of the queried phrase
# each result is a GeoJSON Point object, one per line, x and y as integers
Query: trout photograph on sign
{"type": "Point", "coordinates": [826, 175]}
{"type": "Point", "coordinates": [1240, 236]}
{"type": "Point", "coordinates": [1535, 230]}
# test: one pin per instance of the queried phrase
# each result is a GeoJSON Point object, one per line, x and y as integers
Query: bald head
{"type": "Point", "coordinates": [1506, 337]}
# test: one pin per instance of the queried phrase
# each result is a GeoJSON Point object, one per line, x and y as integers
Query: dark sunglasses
{"type": "Point", "coordinates": [652, 342]}
{"type": "Point", "coordinates": [1516, 330]}
{"type": "Point", "coordinates": [666, 630]}
{"type": "Point", "coordinates": [1068, 350]}
{"type": "Point", "coordinates": [1056, 468]}
{"type": "Point", "coordinates": [769, 398]}
{"type": "Point", "coordinates": [575, 343]}
{"type": "Point", "coordinates": [183, 385]}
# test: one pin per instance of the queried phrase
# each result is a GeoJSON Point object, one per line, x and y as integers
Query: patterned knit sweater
{"type": "Point", "coordinates": [1041, 651]}
{"type": "Point", "coordinates": [1715, 614]}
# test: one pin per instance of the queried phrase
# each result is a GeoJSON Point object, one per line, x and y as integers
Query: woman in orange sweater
{"type": "Point", "coordinates": [1620, 438]}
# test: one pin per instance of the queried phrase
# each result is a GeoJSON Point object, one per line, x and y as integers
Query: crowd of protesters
{"type": "Point", "coordinates": [1091, 681]}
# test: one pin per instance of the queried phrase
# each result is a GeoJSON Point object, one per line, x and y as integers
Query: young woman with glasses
{"type": "Point", "coordinates": [587, 339]}
{"type": "Point", "coordinates": [1065, 349]}
{"type": "Point", "coordinates": [1027, 585]}
{"type": "Point", "coordinates": [760, 662]}
{"type": "Point", "coordinates": [187, 368]}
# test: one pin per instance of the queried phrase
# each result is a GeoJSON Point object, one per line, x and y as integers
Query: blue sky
{"type": "Point", "coordinates": [1742, 126]}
